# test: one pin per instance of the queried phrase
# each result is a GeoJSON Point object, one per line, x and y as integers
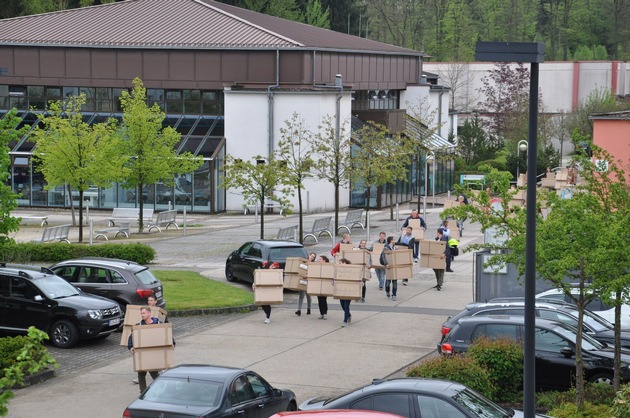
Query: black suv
{"type": "Point", "coordinates": [252, 255]}
{"type": "Point", "coordinates": [594, 325]}
{"type": "Point", "coordinates": [124, 281]}
{"type": "Point", "coordinates": [554, 349]}
{"type": "Point", "coordinates": [45, 301]}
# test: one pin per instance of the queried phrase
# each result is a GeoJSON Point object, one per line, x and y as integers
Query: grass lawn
{"type": "Point", "coordinates": [190, 290]}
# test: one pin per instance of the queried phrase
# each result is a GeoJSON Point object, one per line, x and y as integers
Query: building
{"type": "Point", "coordinates": [611, 132]}
{"type": "Point", "coordinates": [227, 78]}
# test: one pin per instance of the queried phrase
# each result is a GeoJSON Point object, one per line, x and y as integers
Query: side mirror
{"type": "Point", "coordinates": [277, 393]}
{"type": "Point", "coordinates": [38, 298]}
{"type": "Point", "coordinates": [567, 352]}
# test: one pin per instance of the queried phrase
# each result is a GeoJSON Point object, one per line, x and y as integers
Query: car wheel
{"type": "Point", "coordinates": [64, 334]}
{"type": "Point", "coordinates": [292, 406]}
{"type": "Point", "coordinates": [601, 378]}
{"type": "Point", "coordinates": [229, 273]}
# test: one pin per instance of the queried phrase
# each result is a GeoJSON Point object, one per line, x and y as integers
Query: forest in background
{"type": "Point", "coordinates": [445, 29]}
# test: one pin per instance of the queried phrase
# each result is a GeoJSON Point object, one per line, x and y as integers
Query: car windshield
{"type": "Point", "coordinates": [280, 254]}
{"type": "Point", "coordinates": [480, 406]}
{"type": "Point", "coordinates": [594, 321]}
{"type": "Point", "coordinates": [570, 333]}
{"type": "Point", "coordinates": [55, 287]}
{"type": "Point", "coordinates": [146, 277]}
{"type": "Point", "coordinates": [192, 392]}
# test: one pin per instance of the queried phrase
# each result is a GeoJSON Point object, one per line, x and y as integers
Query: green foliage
{"type": "Point", "coordinates": [25, 253]}
{"type": "Point", "coordinates": [594, 393]}
{"type": "Point", "coordinates": [588, 410]}
{"type": "Point", "coordinates": [474, 145]}
{"type": "Point", "coordinates": [621, 402]}
{"type": "Point", "coordinates": [8, 132]}
{"type": "Point", "coordinates": [28, 355]}
{"type": "Point", "coordinates": [503, 358]}
{"type": "Point", "coordinates": [316, 15]}
{"type": "Point", "coordinates": [598, 101]}
{"type": "Point", "coordinates": [460, 369]}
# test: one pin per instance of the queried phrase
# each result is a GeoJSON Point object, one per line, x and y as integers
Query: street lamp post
{"type": "Point", "coordinates": [520, 147]}
{"type": "Point", "coordinates": [427, 159]}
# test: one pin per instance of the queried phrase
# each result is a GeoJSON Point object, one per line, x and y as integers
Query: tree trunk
{"type": "Point", "coordinates": [336, 208]}
{"type": "Point", "coordinates": [80, 215]}
{"type": "Point", "coordinates": [579, 365]}
{"type": "Point", "coordinates": [74, 221]}
{"type": "Point", "coordinates": [300, 209]}
{"type": "Point", "coordinates": [617, 347]}
{"type": "Point", "coordinates": [141, 207]}
{"type": "Point", "coordinates": [262, 216]}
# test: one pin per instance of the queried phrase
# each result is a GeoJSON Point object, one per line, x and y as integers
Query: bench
{"type": "Point", "coordinates": [130, 215]}
{"type": "Point", "coordinates": [42, 219]}
{"type": "Point", "coordinates": [320, 226]}
{"type": "Point", "coordinates": [287, 234]}
{"type": "Point", "coordinates": [123, 228]}
{"type": "Point", "coordinates": [353, 217]}
{"type": "Point", "coordinates": [166, 218]}
{"type": "Point", "coordinates": [55, 233]}
{"type": "Point", "coordinates": [270, 206]}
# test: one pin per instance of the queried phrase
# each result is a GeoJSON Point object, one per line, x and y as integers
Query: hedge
{"type": "Point", "coordinates": [29, 252]}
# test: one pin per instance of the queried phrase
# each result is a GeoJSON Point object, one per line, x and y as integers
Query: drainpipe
{"type": "Point", "coordinates": [270, 106]}
{"type": "Point", "coordinates": [440, 110]}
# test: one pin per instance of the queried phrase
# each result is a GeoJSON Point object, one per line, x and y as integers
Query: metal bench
{"type": "Point", "coordinates": [56, 233]}
{"type": "Point", "coordinates": [42, 219]}
{"type": "Point", "coordinates": [320, 226]}
{"type": "Point", "coordinates": [123, 228]}
{"type": "Point", "coordinates": [164, 219]}
{"type": "Point", "coordinates": [288, 234]}
{"type": "Point", "coordinates": [353, 217]}
{"type": "Point", "coordinates": [269, 206]}
{"type": "Point", "coordinates": [129, 215]}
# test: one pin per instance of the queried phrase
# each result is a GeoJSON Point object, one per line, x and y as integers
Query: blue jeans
{"type": "Point", "coordinates": [380, 275]}
{"type": "Point", "coordinates": [345, 305]}
{"type": "Point", "coordinates": [394, 286]}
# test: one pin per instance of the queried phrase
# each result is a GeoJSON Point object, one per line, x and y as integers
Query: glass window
{"type": "Point", "coordinates": [53, 93]}
{"type": "Point", "coordinates": [146, 277]}
{"type": "Point", "coordinates": [90, 99]}
{"type": "Point", "coordinates": [240, 391]}
{"type": "Point", "coordinates": [255, 251]}
{"type": "Point", "coordinates": [189, 392]}
{"type": "Point", "coordinates": [93, 275]}
{"type": "Point", "coordinates": [155, 96]}
{"type": "Point", "coordinates": [259, 388]}
{"type": "Point", "coordinates": [70, 91]}
{"type": "Point", "coordinates": [67, 272]}
{"type": "Point", "coordinates": [495, 331]}
{"type": "Point", "coordinates": [431, 407]}
{"type": "Point", "coordinates": [103, 97]}
{"type": "Point", "coordinates": [549, 341]}
{"type": "Point", "coordinates": [394, 403]}
{"type": "Point", "coordinates": [116, 277]}
{"type": "Point", "coordinates": [173, 95]}
{"type": "Point", "coordinates": [21, 289]}
{"type": "Point", "coordinates": [117, 93]}
{"type": "Point", "coordinates": [479, 406]}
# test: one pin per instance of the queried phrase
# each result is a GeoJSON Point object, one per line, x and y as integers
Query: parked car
{"type": "Point", "coordinates": [252, 255]}
{"type": "Point", "coordinates": [124, 281]}
{"type": "Point", "coordinates": [594, 325]}
{"type": "Point", "coordinates": [415, 398]}
{"type": "Point", "coordinates": [597, 305]}
{"type": "Point", "coordinates": [335, 413]}
{"type": "Point", "coordinates": [554, 345]}
{"type": "Point", "coordinates": [49, 303]}
{"type": "Point", "coordinates": [205, 391]}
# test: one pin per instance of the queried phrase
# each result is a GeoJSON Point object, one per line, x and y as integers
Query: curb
{"type": "Point", "coordinates": [213, 311]}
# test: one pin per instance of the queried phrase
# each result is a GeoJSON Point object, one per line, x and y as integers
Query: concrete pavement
{"type": "Point", "coordinates": [310, 356]}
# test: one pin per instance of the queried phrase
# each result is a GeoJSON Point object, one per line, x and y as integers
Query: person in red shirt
{"type": "Point", "coordinates": [344, 240]}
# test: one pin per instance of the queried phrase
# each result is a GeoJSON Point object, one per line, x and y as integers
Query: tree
{"type": "Point", "coordinates": [599, 101]}
{"type": "Point", "coordinates": [474, 145]}
{"type": "Point", "coordinates": [8, 132]}
{"type": "Point", "coordinates": [295, 150]}
{"type": "Point", "coordinates": [316, 15]}
{"type": "Point", "coordinates": [286, 9]}
{"type": "Point", "coordinates": [257, 180]}
{"type": "Point", "coordinates": [333, 163]}
{"type": "Point", "coordinates": [71, 152]}
{"type": "Point", "coordinates": [150, 146]}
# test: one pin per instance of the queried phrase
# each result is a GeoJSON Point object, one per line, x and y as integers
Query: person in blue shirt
{"type": "Point", "coordinates": [147, 319]}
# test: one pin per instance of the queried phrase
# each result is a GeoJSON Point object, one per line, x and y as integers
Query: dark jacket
{"type": "Point", "coordinates": [410, 244]}
{"type": "Point", "coordinates": [422, 223]}
{"type": "Point", "coordinates": [383, 258]}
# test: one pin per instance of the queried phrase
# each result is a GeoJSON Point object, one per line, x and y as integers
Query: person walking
{"type": "Point", "coordinates": [302, 293]}
{"type": "Point", "coordinates": [337, 248]}
{"type": "Point", "coordinates": [152, 302]}
{"type": "Point", "coordinates": [408, 240]}
{"type": "Point", "coordinates": [345, 303]}
{"type": "Point", "coordinates": [390, 246]}
{"type": "Point", "coordinates": [439, 273]}
{"type": "Point", "coordinates": [267, 308]}
{"type": "Point", "coordinates": [380, 273]}
{"type": "Point", "coordinates": [423, 225]}
{"type": "Point", "coordinates": [147, 319]}
{"type": "Point", "coordinates": [322, 301]}
{"type": "Point", "coordinates": [443, 235]}
{"type": "Point", "coordinates": [363, 246]}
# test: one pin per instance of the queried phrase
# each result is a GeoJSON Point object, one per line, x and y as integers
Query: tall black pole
{"type": "Point", "coordinates": [529, 375]}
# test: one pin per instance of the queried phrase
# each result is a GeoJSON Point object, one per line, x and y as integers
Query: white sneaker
{"type": "Point", "coordinates": [344, 324]}
{"type": "Point", "coordinates": [324, 316]}
{"type": "Point", "coordinates": [267, 320]}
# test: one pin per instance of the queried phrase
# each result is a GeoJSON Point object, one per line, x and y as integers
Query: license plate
{"type": "Point", "coordinates": [114, 321]}
{"type": "Point", "coordinates": [158, 294]}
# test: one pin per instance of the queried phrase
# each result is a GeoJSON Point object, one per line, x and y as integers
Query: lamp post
{"type": "Point", "coordinates": [533, 53]}
{"type": "Point", "coordinates": [430, 156]}
{"type": "Point", "coordinates": [520, 147]}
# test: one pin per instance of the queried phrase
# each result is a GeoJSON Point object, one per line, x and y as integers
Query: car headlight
{"type": "Point", "coordinates": [95, 314]}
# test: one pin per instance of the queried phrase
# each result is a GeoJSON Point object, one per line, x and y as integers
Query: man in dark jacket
{"type": "Point", "coordinates": [439, 273]}
{"type": "Point", "coordinates": [147, 319]}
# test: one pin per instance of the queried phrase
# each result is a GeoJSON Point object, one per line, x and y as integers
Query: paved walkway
{"type": "Point", "coordinates": [308, 355]}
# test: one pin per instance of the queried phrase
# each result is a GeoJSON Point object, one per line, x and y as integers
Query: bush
{"type": "Point", "coordinates": [503, 358]}
{"type": "Point", "coordinates": [594, 393]}
{"type": "Point", "coordinates": [24, 253]}
{"type": "Point", "coordinates": [621, 402]}
{"type": "Point", "coordinates": [570, 410]}
{"type": "Point", "coordinates": [458, 369]}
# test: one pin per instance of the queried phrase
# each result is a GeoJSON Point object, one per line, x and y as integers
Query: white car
{"type": "Point", "coordinates": [596, 305]}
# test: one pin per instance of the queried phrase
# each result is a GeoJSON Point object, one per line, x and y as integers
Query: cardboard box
{"type": "Point", "coordinates": [320, 287]}
{"type": "Point", "coordinates": [549, 182]}
{"type": "Point", "coordinates": [517, 203]}
{"type": "Point", "coordinates": [345, 289]}
{"type": "Point", "coordinates": [399, 272]}
{"type": "Point", "coordinates": [320, 269]}
{"type": "Point", "coordinates": [153, 358]}
{"type": "Point", "coordinates": [520, 194]}
{"type": "Point", "coordinates": [377, 250]}
{"type": "Point", "coordinates": [155, 335]}
{"type": "Point", "coordinates": [345, 247]}
{"type": "Point", "coordinates": [432, 261]}
{"type": "Point", "coordinates": [268, 295]}
{"type": "Point", "coordinates": [452, 225]}
{"type": "Point", "coordinates": [296, 265]}
{"type": "Point", "coordinates": [450, 203]}
{"type": "Point", "coordinates": [399, 257]}
{"type": "Point", "coordinates": [349, 272]}
{"type": "Point", "coordinates": [132, 314]}
{"type": "Point", "coordinates": [417, 229]}
{"type": "Point", "coordinates": [432, 247]}
{"type": "Point", "coordinates": [560, 184]}
{"type": "Point", "coordinates": [268, 277]}
{"type": "Point", "coordinates": [294, 282]}
{"type": "Point", "coordinates": [562, 174]}
{"type": "Point", "coordinates": [358, 256]}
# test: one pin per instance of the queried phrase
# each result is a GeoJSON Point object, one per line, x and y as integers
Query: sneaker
{"type": "Point", "coordinates": [415, 260]}
{"type": "Point", "coordinates": [393, 297]}
{"type": "Point", "coordinates": [344, 324]}
{"type": "Point", "coordinates": [308, 311]}
{"type": "Point", "coordinates": [438, 288]}
{"type": "Point", "coordinates": [380, 288]}
{"type": "Point", "coordinates": [136, 381]}
{"type": "Point", "coordinates": [404, 283]}
{"type": "Point", "coordinates": [324, 316]}
{"type": "Point", "coordinates": [349, 319]}
{"type": "Point", "coordinates": [298, 313]}
{"type": "Point", "coordinates": [267, 320]}
{"type": "Point", "coordinates": [450, 271]}
{"type": "Point", "coordinates": [321, 317]}
{"type": "Point", "coordinates": [388, 295]}
{"type": "Point", "coordinates": [362, 300]}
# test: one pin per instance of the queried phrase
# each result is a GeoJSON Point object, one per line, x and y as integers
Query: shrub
{"type": "Point", "coordinates": [594, 393]}
{"type": "Point", "coordinates": [503, 358]}
{"type": "Point", "coordinates": [24, 253]}
{"type": "Point", "coordinates": [621, 403]}
{"type": "Point", "coordinates": [570, 410]}
{"type": "Point", "coordinates": [458, 369]}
